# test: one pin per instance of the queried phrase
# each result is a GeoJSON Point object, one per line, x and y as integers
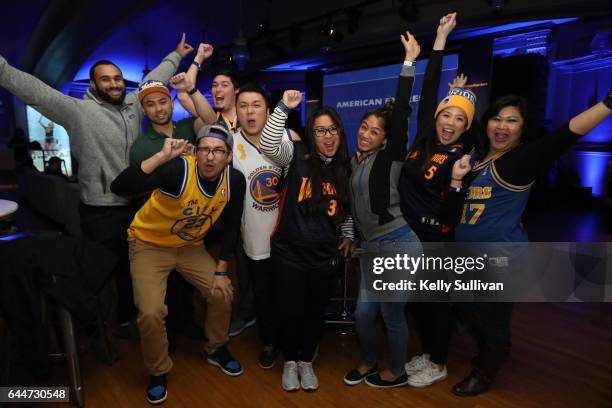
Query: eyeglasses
{"type": "Point", "coordinates": [321, 131]}
{"type": "Point", "coordinates": [217, 151]}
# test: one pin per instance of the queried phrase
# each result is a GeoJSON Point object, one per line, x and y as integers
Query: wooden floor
{"type": "Point", "coordinates": [561, 357]}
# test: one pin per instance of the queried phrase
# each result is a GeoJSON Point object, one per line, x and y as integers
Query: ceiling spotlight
{"type": "Point", "coordinates": [330, 31]}
{"type": "Point", "coordinates": [408, 10]}
{"type": "Point", "coordinates": [497, 5]}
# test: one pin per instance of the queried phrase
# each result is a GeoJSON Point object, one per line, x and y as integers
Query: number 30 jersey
{"type": "Point", "coordinates": [493, 208]}
{"type": "Point", "coordinates": [261, 199]}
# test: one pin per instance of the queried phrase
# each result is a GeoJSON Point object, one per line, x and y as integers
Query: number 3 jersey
{"type": "Point", "coordinates": [175, 220]}
{"type": "Point", "coordinates": [261, 199]}
{"type": "Point", "coordinates": [493, 208]}
{"type": "Point", "coordinates": [302, 236]}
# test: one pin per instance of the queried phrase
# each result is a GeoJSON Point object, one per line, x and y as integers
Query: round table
{"type": "Point", "coordinates": [7, 208]}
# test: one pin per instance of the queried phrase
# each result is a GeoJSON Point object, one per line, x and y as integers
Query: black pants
{"type": "Point", "coordinates": [244, 308]}
{"type": "Point", "coordinates": [262, 276]}
{"type": "Point", "coordinates": [108, 226]}
{"type": "Point", "coordinates": [302, 294]}
{"type": "Point", "coordinates": [491, 326]}
{"type": "Point", "coordinates": [433, 321]}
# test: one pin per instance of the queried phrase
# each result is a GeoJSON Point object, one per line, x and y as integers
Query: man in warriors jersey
{"type": "Point", "coordinates": [260, 211]}
{"type": "Point", "coordinates": [190, 195]}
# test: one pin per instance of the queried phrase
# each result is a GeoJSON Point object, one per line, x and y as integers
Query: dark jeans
{"type": "Point", "coordinates": [262, 276]}
{"type": "Point", "coordinates": [108, 226]}
{"type": "Point", "coordinates": [302, 294]}
{"type": "Point", "coordinates": [491, 326]}
{"type": "Point", "coordinates": [433, 320]}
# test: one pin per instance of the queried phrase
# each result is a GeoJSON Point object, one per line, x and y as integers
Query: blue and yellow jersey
{"type": "Point", "coordinates": [226, 123]}
{"type": "Point", "coordinates": [493, 208]}
{"type": "Point", "coordinates": [169, 220]}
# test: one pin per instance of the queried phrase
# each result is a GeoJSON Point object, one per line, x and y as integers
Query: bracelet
{"type": "Point", "coordinates": [608, 100]}
{"type": "Point", "coordinates": [194, 90]}
{"type": "Point", "coordinates": [456, 179]}
{"type": "Point", "coordinates": [197, 64]}
{"type": "Point", "coordinates": [408, 63]}
{"type": "Point", "coordinates": [218, 273]}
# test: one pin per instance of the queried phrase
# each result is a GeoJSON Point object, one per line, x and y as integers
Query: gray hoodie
{"type": "Point", "coordinates": [101, 134]}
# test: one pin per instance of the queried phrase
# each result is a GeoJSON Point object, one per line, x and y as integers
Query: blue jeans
{"type": "Point", "coordinates": [393, 314]}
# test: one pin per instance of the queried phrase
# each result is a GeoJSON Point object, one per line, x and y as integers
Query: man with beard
{"type": "Point", "coordinates": [102, 127]}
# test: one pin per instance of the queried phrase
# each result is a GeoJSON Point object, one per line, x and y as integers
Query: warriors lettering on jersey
{"type": "Point", "coordinates": [306, 189]}
{"type": "Point", "coordinates": [263, 187]}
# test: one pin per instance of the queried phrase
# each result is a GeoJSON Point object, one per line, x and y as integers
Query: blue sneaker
{"type": "Point", "coordinates": [157, 391]}
{"type": "Point", "coordinates": [224, 360]}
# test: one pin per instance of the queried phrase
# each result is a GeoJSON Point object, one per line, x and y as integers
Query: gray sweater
{"type": "Point", "coordinates": [101, 134]}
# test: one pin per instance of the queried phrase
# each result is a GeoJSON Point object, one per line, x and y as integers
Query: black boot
{"type": "Point", "coordinates": [474, 384]}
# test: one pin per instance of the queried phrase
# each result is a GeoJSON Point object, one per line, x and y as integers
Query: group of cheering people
{"type": "Point", "coordinates": [238, 163]}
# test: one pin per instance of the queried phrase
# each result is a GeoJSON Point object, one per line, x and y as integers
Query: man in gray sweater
{"type": "Point", "coordinates": [102, 127]}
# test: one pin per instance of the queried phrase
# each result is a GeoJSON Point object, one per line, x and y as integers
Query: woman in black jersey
{"type": "Point", "coordinates": [445, 132]}
{"type": "Point", "coordinates": [499, 189]}
{"type": "Point", "coordinates": [313, 215]}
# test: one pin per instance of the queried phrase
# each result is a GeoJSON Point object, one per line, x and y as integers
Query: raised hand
{"type": "Point", "coordinates": [461, 167]}
{"type": "Point", "coordinates": [172, 148]}
{"type": "Point", "coordinates": [292, 98]}
{"type": "Point", "coordinates": [188, 150]}
{"type": "Point", "coordinates": [447, 24]}
{"type": "Point", "coordinates": [181, 82]}
{"type": "Point", "coordinates": [411, 46]}
{"type": "Point", "coordinates": [204, 52]}
{"type": "Point", "coordinates": [458, 82]}
{"type": "Point", "coordinates": [183, 48]}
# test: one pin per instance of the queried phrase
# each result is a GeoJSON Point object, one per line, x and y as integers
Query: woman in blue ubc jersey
{"type": "Point", "coordinates": [375, 170]}
{"type": "Point", "coordinates": [313, 214]}
{"type": "Point", "coordinates": [499, 189]}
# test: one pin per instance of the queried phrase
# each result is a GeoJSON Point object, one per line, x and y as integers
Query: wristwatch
{"type": "Point", "coordinates": [197, 64]}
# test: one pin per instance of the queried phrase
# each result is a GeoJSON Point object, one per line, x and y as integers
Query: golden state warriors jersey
{"type": "Point", "coordinates": [493, 208]}
{"type": "Point", "coordinates": [169, 220]}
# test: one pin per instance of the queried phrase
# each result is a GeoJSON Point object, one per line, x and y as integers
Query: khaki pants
{"type": "Point", "coordinates": [150, 266]}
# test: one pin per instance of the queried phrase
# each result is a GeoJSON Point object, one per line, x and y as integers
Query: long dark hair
{"type": "Point", "coordinates": [337, 172]}
{"type": "Point", "coordinates": [500, 103]}
{"type": "Point", "coordinates": [425, 145]}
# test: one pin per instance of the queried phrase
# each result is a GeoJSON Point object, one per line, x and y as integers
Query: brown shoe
{"type": "Point", "coordinates": [474, 384]}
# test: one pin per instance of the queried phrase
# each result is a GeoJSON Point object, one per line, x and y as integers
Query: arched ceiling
{"type": "Point", "coordinates": [54, 39]}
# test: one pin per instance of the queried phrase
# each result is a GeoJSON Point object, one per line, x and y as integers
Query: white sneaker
{"type": "Point", "coordinates": [417, 363]}
{"type": "Point", "coordinates": [291, 382]}
{"type": "Point", "coordinates": [428, 376]}
{"type": "Point", "coordinates": [308, 378]}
